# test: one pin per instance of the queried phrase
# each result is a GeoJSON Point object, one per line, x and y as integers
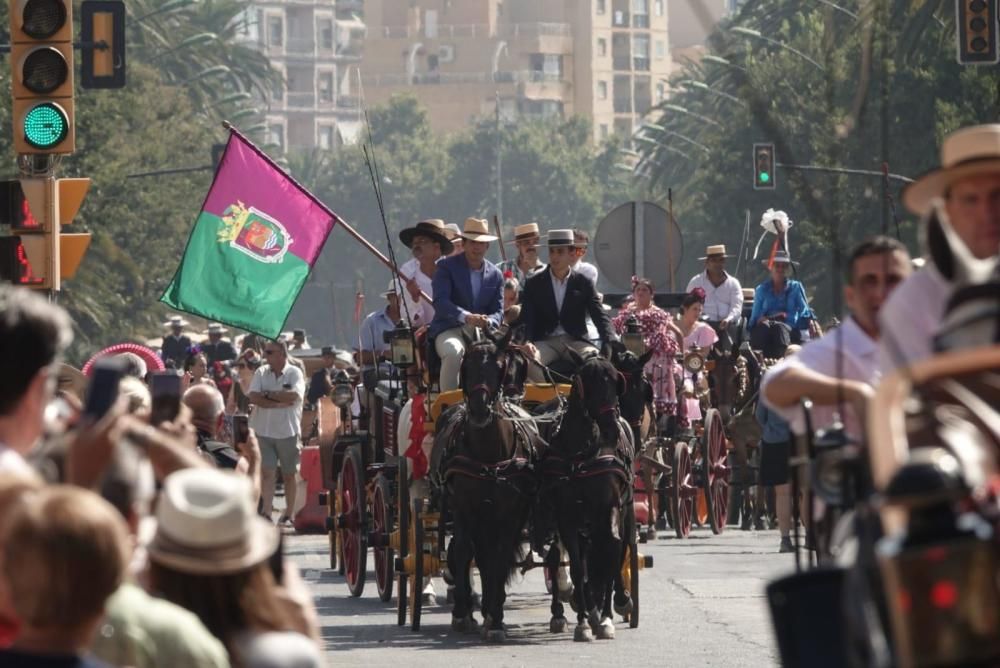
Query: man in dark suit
{"type": "Point", "coordinates": [468, 293]}
{"type": "Point", "coordinates": [176, 344]}
{"type": "Point", "coordinates": [555, 305]}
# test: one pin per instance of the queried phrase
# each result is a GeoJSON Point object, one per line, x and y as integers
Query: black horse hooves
{"type": "Point", "coordinates": [465, 624]}
{"type": "Point", "coordinates": [558, 625]}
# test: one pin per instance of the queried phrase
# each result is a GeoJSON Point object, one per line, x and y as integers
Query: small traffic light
{"type": "Point", "coordinates": [35, 209]}
{"type": "Point", "coordinates": [41, 34]}
{"type": "Point", "coordinates": [763, 167]}
{"type": "Point", "coordinates": [977, 32]}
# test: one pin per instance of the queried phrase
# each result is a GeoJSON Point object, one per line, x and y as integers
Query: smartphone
{"type": "Point", "coordinates": [241, 429]}
{"type": "Point", "coordinates": [165, 388]}
{"type": "Point", "coordinates": [103, 390]}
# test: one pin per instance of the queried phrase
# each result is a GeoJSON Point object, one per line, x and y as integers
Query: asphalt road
{"type": "Point", "coordinates": [702, 604]}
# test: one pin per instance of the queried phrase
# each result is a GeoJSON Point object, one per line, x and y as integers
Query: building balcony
{"type": "Point", "coordinates": [640, 64]}
{"type": "Point", "coordinates": [448, 78]}
{"type": "Point", "coordinates": [621, 63]}
{"type": "Point", "coordinates": [478, 30]}
{"type": "Point", "coordinates": [623, 106]}
{"type": "Point", "coordinates": [619, 18]}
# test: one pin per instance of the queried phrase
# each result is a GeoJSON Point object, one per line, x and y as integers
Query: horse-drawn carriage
{"type": "Point", "coordinates": [372, 467]}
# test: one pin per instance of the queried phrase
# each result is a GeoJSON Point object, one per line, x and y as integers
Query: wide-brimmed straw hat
{"type": "Point", "coordinates": [215, 328]}
{"type": "Point", "coordinates": [561, 238]}
{"type": "Point", "coordinates": [391, 290]}
{"type": "Point", "coordinates": [717, 249]}
{"type": "Point", "coordinates": [780, 257]}
{"type": "Point", "coordinates": [207, 524]}
{"type": "Point", "coordinates": [176, 321]}
{"type": "Point", "coordinates": [477, 229]}
{"type": "Point", "coordinates": [526, 231]}
{"type": "Point", "coordinates": [433, 228]}
{"type": "Point", "coordinates": [965, 152]}
{"type": "Point", "coordinates": [452, 231]}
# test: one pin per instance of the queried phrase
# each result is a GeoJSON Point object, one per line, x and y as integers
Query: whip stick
{"type": "Point", "coordinates": [339, 222]}
{"type": "Point", "coordinates": [496, 224]}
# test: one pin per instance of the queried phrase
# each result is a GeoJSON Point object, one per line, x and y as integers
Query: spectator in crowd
{"type": "Point", "coordinates": [277, 391]}
{"type": "Point", "coordinates": [468, 293]}
{"type": "Point", "coordinates": [196, 369]}
{"type": "Point", "coordinates": [239, 399]}
{"type": "Point", "coordinates": [136, 395]}
{"type": "Point", "coordinates": [217, 349]}
{"type": "Point", "coordinates": [59, 595]}
{"type": "Point", "coordinates": [33, 335]}
{"type": "Point", "coordinates": [208, 415]}
{"type": "Point", "coordinates": [374, 349]}
{"type": "Point", "coordinates": [526, 264]}
{"type": "Point", "coordinates": [511, 296]}
{"type": "Point", "coordinates": [214, 556]}
{"type": "Point", "coordinates": [723, 293]}
{"type": "Point", "coordinates": [299, 341]}
{"type": "Point", "coordinates": [428, 243]}
{"type": "Point", "coordinates": [251, 342]}
{"type": "Point", "coordinates": [581, 242]}
{"type": "Point", "coordinates": [176, 344]}
{"type": "Point", "coordinates": [135, 366]}
{"type": "Point", "coordinates": [12, 488]}
{"type": "Point", "coordinates": [454, 234]}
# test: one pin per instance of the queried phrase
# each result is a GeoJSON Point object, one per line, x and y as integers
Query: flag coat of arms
{"type": "Point", "coordinates": [253, 245]}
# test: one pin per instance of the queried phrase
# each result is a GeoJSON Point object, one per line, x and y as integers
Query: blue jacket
{"type": "Point", "coordinates": [775, 428]}
{"type": "Point", "coordinates": [453, 294]}
{"type": "Point", "coordinates": [791, 301]}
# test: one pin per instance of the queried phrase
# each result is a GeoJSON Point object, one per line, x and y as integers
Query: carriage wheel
{"type": "Point", "coordinates": [715, 476]}
{"type": "Point", "coordinates": [684, 490]}
{"type": "Point", "coordinates": [633, 620]}
{"type": "Point", "coordinates": [353, 536]}
{"type": "Point", "coordinates": [381, 528]}
{"type": "Point", "coordinates": [403, 506]}
{"type": "Point", "coordinates": [417, 593]}
{"type": "Point", "coordinates": [332, 533]}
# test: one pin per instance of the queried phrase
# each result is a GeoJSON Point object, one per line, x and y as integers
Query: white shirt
{"type": "Point", "coordinates": [284, 421]}
{"type": "Point", "coordinates": [12, 462]}
{"type": "Point", "coordinates": [559, 289]}
{"type": "Point", "coordinates": [860, 362]}
{"type": "Point", "coordinates": [911, 317]}
{"type": "Point", "coordinates": [586, 269]}
{"type": "Point", "coordinates": [422, 312]}
{"type": "Point", "coordinates": [721, 303]}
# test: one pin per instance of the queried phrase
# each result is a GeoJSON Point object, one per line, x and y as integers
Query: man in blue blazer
{"type": "Point", "coordinates": [468, 293]}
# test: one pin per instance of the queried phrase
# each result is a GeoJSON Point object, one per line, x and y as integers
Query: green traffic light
{"type": "Point", "coordinates": [764, 177]}
{"type": "Point", "coordinates": [45, 125]}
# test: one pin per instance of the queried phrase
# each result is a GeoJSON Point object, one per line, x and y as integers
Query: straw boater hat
{"type": "Point", "coordinates": [452, 232]}
{"type": "Point", "coordinates": [965, 152]}
{"type": "Point", "coordinates": [215, 328]}
{"type": "Point", "coordinates": [176, 321]}
{"type": "Point", "coordinates": [560, 238]}
{"type": "Point", "coordinates": [781, 257]}
{"type": "Point", "coordinates": [207, 524]}
{"type": "Point", "coordinates": [477, 229]}
{"type": "Point", "coordinates": [433, 228]}
{"type": "Point", "coordinates": [526, 231]}
{"type": "Point", "coordinates": [717, 249]}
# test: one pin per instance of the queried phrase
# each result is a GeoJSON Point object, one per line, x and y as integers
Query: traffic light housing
{"type": "Point", "coordinates": [41, 57]}
{"type": "Point", "coordinates": [763, 167]}
{"type": "Point", "coordinates": [977, 32]}
{"type": "Point", "coordinates": [39, 254]}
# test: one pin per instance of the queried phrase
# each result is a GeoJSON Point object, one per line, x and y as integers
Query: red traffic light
{"type": "Point", "coordinates": [14, 265]}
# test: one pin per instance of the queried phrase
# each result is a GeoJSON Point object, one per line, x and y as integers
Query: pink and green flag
{"type": "Point", "coordinates": [253, 245]}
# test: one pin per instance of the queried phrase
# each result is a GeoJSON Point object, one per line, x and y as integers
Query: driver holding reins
{"type": "Point", "coordinates": [554, 308]}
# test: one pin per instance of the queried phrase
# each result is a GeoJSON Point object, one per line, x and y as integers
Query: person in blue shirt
{"type": "Point", "coordinates": [780, 310]}
{"type": "Point", "coordinates": [775, 451]}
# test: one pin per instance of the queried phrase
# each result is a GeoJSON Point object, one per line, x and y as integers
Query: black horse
{"type": "Point", "coordinates": [488, 447]}
{"type": "Point", "coordinates": [587, 483]}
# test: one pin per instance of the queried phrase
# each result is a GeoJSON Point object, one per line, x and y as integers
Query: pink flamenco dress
{"type": "Point", "coordinates": [702, 336]}
{"type": "Point", "coordinates": [654, 323]}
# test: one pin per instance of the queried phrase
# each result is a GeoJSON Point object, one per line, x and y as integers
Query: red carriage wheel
{"type": "Point", "coordinates": [633, 619]}
{"type": "Point", "coordinates": [417, 592]}
{"type": "Point", "coordinates": [381, 530]}
{"type": "Point", "coordinates": [351, 521]}
{"type": "Point", "coordinates": [403, 505]}
{"type": "Point", "coordinates": [715, 470]}
{"type": "Point", "coordinates": [684, 490]}
{"type": "Point", "coordinates": [332, 512]}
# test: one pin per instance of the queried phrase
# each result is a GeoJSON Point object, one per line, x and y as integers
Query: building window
{"type": "Point", "coordinates": [326, 34]}
{"type": "Point", "coordinates": [325, 139]}
{"type": "Point", "coordinates": [661, 49]}
{"type": "Point", "coordinates": [604, 130]}
{"type": "Point", "coordinates": [601, 7]}
{"type": "Point", "coordinates": [661, 92]}
{"type": "Point", "coordinates": [276, 135]}
{"type": "Point", "coordinates": [278, 90]}
{"type": "Point", "coordinates": [549, 64]}
{"type": "Point", "coordinates": [640, 52]}
{"type": "Point", "coordinates": [275, 31]}
{"type": "Point", "coordinates": [602, 90]}
{"type": "Point", "coordinates": [658, 7]}
{"type": "Point", "coordinates": [325, 86]}
{"type": "Point", "coordinates": [602, 46]}
{"type": "Point", "coordinates": [640, 13]}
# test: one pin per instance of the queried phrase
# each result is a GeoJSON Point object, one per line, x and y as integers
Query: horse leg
{"type": "Point", "coordinates": [577, 574]}
{"type": "Point", "coordinates": [558, 622]}
{"type": "Point", "coordinates": [459, 561]}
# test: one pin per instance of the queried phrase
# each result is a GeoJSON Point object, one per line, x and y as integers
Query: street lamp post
{"type": "Point", "coordinates": [756, 34]}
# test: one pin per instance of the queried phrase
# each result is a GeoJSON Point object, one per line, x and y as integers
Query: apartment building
{"type": "Point", "coordinates": [605, 59]}
{"type": "Point", "coordinates": [316, 45]}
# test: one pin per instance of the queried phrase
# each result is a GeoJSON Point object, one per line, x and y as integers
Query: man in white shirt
{"type": "Point", "coordinates": [34, 335]}
{"type": "Point", "coordinates": [968, 182]}
{"type": "Point", "coordinates": [723, 293]}
{"type": "Point", "coordinates": [428, 243]}
{"type": "Point", "coordinates": [276, 392]}
{"type": "Point", "coordinates": [842, 366]}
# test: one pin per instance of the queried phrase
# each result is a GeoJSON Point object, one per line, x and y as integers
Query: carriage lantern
{"type": "Point", "coordinates": [632, 338]}
{"type": "Point", "coordinates": [401, 346]}
{"type": "Point", "coordinates": [343, 392]}
{"type": "Point", "coordinates": [693, 361]}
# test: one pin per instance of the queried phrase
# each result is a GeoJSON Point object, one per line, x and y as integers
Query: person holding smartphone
{"type": "Point", "coordinates": [276, 391]}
